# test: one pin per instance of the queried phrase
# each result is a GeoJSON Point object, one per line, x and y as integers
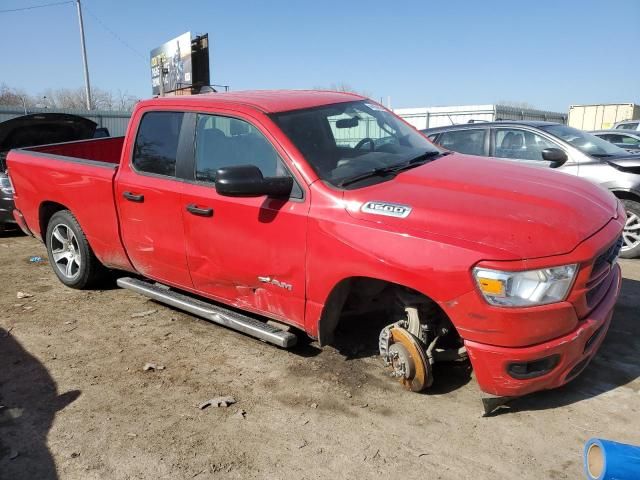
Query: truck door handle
{"type": "Point", "coordinates": [201, 212]}
{"type": "Point", "coordinates": [133, 197]}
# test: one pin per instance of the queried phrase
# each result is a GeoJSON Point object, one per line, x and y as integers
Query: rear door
{"type": "Point", "coordinates": [148, 194]}
{"type": "Point", "coordinates": [472, 141]}
{"type": "Point", "coordinates": [249, 252]}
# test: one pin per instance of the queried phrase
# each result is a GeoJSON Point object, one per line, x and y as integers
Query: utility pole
{"type": "Point", "coordinates": [87, 88]}
{"type": "Point", "coordinates": [162, 76]}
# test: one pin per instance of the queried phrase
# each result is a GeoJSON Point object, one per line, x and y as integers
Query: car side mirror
{"type": "Point", "coordinates": [247, 181]}
{"type": "Point", "coordinates": [556, 156]}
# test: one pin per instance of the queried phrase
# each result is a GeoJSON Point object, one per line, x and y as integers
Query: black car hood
{"type": "Point", "coordinates": [626, 163]}
{"type": "Point", "coordinates": [41, 129]}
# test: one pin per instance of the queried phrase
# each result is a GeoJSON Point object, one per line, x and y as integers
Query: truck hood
{"type": "Point", "coordinates": [527, 211]}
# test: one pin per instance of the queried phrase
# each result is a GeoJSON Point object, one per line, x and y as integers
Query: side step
{"type": "Point", "coordinates": [208, 311]}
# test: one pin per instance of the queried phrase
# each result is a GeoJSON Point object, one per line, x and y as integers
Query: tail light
{"type": "Point", "coordinates": [5, 184]}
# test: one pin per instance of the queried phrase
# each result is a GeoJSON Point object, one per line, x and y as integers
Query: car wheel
{"type": "Point", "coordinates": [69, 252]}
{"type": "Point", "coordinates": [631, 232]}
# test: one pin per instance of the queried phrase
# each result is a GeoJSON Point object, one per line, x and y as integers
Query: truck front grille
{"type": "Point", "coordinates": [605, 259]}
{"type": "Point", "coordinates": [602, 274]}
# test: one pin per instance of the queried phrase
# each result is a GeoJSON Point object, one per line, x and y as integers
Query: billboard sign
{"type": "Point", "coordinates": [175, 57]}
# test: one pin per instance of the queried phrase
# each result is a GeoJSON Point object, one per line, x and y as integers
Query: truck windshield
{"type": "Point", "coordinates": [585, 142]}
{"type": "Point", "coordinates": [345, 142]}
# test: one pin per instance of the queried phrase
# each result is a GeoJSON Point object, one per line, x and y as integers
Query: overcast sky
{"type": "Point", "coordinates": [419, 53]}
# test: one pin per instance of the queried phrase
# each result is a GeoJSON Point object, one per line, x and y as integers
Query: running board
{"type": "Point", "coordinates": [208, 311]}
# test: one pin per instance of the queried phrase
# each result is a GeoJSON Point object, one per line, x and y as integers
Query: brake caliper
{"type": "Point", "coordinates": [404, 355]}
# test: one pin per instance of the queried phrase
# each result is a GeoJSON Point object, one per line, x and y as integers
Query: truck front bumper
{"type": "Point", "coordinates": [504, 371]}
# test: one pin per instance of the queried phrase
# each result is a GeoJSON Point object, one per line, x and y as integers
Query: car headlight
{"type": "Point", "coordinates": [525, 288]}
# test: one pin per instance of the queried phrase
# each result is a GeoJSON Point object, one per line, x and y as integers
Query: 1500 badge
{"type": "Point", "coordinates": [385, 208]}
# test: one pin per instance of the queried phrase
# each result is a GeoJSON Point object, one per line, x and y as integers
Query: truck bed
{"type": "Point", "coordinates": [105, 150]}
{"type": "Point", "coordinates": [77, 176]}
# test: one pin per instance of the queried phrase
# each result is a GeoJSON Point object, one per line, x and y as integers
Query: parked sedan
{"type": "Point", "coordinates": [553, 145]}
{"type": "Point", "coordinates": [630, 140]}
{"type": "Point", "coordinates": [31, 130]}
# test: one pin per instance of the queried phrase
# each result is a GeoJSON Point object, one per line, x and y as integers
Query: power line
{"type": "Point", "coordinates": [33, 7]}
{"type": "Point", "coordinates": [114, 34]}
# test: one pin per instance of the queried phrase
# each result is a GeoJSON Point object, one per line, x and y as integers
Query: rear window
{"type": "Point", "coordinates": [157, 143]}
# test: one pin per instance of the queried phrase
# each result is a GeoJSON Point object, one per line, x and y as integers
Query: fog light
{"type": "Point", "coordinates": [537, 368]}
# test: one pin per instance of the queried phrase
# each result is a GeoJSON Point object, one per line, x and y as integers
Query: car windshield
{"type": "Point", "coordinates": [348, 141]}
{"type": "Point", "coordinates": [585, 142]}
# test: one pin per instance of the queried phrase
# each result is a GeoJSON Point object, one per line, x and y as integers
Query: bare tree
{"type": "Point", "coordinates": [11, 97]}
{"type": "Point", "coordinates": [70, 98]}
{"type": "Point", "coordinates": [343, 87]}
{"type": "Point", "coordinates": [125, 102]}
{"type": "Point", "coordinates": [510, 103]}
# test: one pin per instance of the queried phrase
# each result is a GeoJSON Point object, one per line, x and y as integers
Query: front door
{"type": "Point", "coordinates": [148, 194]}
{"type": "Point", "coordinates": [249, 252]}
{"type": "Point", "coordinates": [524, 146]}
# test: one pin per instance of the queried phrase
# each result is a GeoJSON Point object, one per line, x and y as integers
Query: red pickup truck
{"type": "Point", "coordinates": [299, 206]}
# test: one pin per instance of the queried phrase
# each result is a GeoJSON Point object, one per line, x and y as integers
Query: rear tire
{"type": "Point", "coordinates": [631, 232]}
{"type": "Point", "coordinates": [70, 254]}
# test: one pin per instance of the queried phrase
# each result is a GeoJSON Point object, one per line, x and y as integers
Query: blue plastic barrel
{"type": "Point", "coordinates": [607, 460]}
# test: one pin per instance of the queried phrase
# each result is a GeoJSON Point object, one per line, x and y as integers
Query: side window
{"type": "Point", "coordinates": [627, 140]}
{"type": "Point", "coordinates": [225, 142]}
{"type": "Point", "coordinates": [628, 126]}
{"type": "Point", "coordinates": [464, 141]}
{"type": "Point", "coordinates": [157, 143]}
{"type": "Point", "coordinates": [520, 144]}
{"type": "Point", "coordinates": [613, 138]}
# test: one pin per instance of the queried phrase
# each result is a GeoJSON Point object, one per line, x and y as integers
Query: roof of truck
{"type": "Point", "coordinates": [269, 101]}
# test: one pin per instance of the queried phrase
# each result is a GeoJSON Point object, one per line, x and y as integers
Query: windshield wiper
{"type": "Point", "coordinates": [393, 169]}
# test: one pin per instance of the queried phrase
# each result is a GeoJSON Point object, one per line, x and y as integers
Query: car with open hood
{"type": "Point", "coordinates": [30, 130]}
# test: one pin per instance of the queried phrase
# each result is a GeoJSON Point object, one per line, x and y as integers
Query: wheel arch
{"type": "Point", "coordinates": [626, 194]}
{"type": "Point", "coordinates": [346, 289]}
{"type": "Point", "coordinates": [47, 210]}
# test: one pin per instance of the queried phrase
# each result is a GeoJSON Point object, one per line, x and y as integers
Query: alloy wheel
{"type": "Point", "coordinates": [65, 251]}
{"type": "Point", "coordinates": [631, 232]}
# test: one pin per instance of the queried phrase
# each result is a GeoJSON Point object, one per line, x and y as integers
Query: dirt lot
{"type": "Point", "coordinates": [78, 405]}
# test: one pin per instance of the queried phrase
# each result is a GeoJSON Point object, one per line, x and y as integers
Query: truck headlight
{"type": "Point", "coordinates": [525, 288]}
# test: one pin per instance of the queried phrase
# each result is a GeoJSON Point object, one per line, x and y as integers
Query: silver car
{"type": "Point", "coordinates": [553, 145]}
{"type": "Point", "coordinates": [629, 140]}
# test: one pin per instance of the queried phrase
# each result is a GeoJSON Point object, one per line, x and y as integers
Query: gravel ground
{"type": "Point", "coordinates": [76, 402]}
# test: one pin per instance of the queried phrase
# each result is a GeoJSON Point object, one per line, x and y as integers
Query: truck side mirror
{"type": "Point", "coordinates": [556, 156]}
{"type": "Point", "coordinates": [247, 181]}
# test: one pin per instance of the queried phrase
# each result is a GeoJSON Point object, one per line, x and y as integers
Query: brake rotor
{"type": "Point", "coordinates": [408, 360]}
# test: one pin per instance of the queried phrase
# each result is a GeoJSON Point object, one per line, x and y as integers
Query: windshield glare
{"type": "Point", "coordinates": [345, 140]}
{"type": "Point", "coordinates": [585, 142]}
